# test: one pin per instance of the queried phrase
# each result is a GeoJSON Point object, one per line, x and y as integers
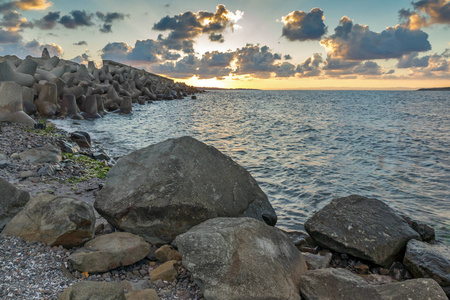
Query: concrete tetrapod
{"type": "Point", "coordinates": [11, 107]}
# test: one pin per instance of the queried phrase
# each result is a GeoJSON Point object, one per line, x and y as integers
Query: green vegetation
{"type": "Point", "coordinates": [50, 129]}
{"type": "Point", "coordinates": [91, 167]}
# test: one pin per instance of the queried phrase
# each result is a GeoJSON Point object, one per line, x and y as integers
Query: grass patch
{"type": "Point", "coordinates": [91, 167]}
{"type": "Point", "coordinates": [50, 129]}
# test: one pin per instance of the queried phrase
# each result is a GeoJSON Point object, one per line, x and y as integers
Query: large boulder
{"type": "Point", "coordinates": [54, 220]}
{"type": "Point", "coordinates": [11, 105]}
{"type": "Point", "coordinates": [109, 251]}
{"type": "Point", "coordinates": [93, 290]}
{"type": "Point", "coordinates": [429, 261]}
{"type": "Point", "coordinates": [242, 258]}
{"type": "Point", "coordinates": [47, 153]}
{"type": "Point", "coordinates": [163, 190]}
{"type": "Point", "coordinates": [341, 284]}
{"type": "Point", "coordinates": [12, 200]}
{"type": "Point", "coordinates": [363, 227]}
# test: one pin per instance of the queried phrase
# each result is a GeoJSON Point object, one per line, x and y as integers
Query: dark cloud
{"type": "Point", "coordinates": [356, 42]}
{"type": "Point", "coordinates": [412, 61]}
{"type": "Point", "coordinates": [83, 58]}
{"type": "Point", "coordinates": [217, 59]}
{"type": "Point", "coordinates": [13, 21]}
{"type": "Point", "coordinates": [287, 57]}
{"type": "Point", "coordinates": [117, 51]}
{"type": "Point", "coordinates": [108, 19]}
{"type": "Point", "coordinates": [367, 68]}
{"type": "Point", "coordinates": [286, 69]}
{"type": "Point", "coordinates": [25, 5]}
{"type": "Point", "coordinates": [302, 26]}
{"type": "Point", "coordinates": [426, 13]}
{"type": "Point", "coordinates": [9, 37]}
{"type": "Point", "coordinates": [311, 66]}
{"type": "Point", "coordinates": [184, 28]}
{"type": "Point", "coordinates": [81, 43]}
{"type": "Point", "coordinates": [33, 48]}
{"type": "Point", "coordinates": [77, 18]}
{"type": "Point", "coordinates": [49, 21]}
{"type": "Point", "coordinates": [256, 61]}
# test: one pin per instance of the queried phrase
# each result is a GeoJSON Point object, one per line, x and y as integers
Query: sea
{"type": "Point", "coordinates": [305, 148]}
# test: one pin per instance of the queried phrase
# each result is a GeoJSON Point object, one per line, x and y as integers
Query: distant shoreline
{"type": "Point", "coordinates": [435, 89]}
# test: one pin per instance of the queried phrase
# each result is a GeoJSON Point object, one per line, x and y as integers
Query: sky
{"type": "Point", "coordinates": [262, 44]}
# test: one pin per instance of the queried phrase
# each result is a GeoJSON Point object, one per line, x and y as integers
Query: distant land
{"type": "Point", "coordinates": [226, 89]}
{"type": "Point", "coordinates": [435, 89]}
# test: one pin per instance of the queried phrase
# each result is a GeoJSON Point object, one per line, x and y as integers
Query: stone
{"type": "Point", "coordinates": [168, 271]}
{"type": "Point", "coordinates": [315, 262]}
{"type": "Point", "coordinates": [7, 73]}
{"type": "Point", "coordinates": [414, 289]}
{"type": "Point", "coordinates": [45, 54]}
{"type": "Point", "coordinates": [101, 156]}
{"type": "Point", "coordinates": [47, 100]}
{"type": "Point", "coordinates": [47, 171]}
{"type": "Point", "coordinates": [11, 106]}
{"type": "Point", "coordinates": [27, 66]}
{"type": "Point", "coordinates": [365, 228]}
{"type": "Point", "coordinates": [69, 147]}
{"type": "Point", "coordinates": [26, 174]}
{"type": "Point", "coordinates": [376, 279]}
{"type": "Point", "coordinates": [166, 253]}
{"type": "Point", "coordinates": [4, 164]}
{"type": "Point", "coordinates": [83, 139]}
{"type": "Point", "coordinates": [108, 252]}
{"type": "Point", "coordinates": [48, 153]}
{"type": "Point", "coordinates": [54, 220]}
{"type": "Point", "coordinates": [429, 261]}
{"type": "Point", "coordinates": [300, 239]}
{"type": "Point", "coordinates": [69, 107]}
{"type": "Point", "coordinates": [147, 294]}
{"type": "Point", "coordinates": [241, 258]}
{"type": "Point", "coordinates": [12, 200]}
{"type": "Point", "coordinates": [426, 232]}
{"type": "Point", "coordinates": [126, 105]}
{"type": "Point", "coordinates": [93, 290]}
{"type": "Point", "coordinates": [335, 284]}
{"type": "Point", "coordinates": [178, 183]}
{"type": "Point", "coordinates": [90, 108]}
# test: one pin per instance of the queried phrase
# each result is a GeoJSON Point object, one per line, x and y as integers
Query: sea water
{"type": "Point", "coordinates": [305, 148]}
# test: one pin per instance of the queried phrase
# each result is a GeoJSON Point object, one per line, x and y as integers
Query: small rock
{"type": "Point", "coordinates": [26, 174]}
{"type": "Point", "coordinates": [4, 164]}
{"type": "Point", "coordinates": [47, 171]}
{"type": "Point", "coordinates": [166, 253]}
{"type": "Point", "coordinates": [315, 262]}
{"type": "Point", "coordinates": [168, 271]}
{"type": "Point", "coordinates": [93, 290]}
{"type": "Point", "coordinates": [361, 268]}
{"type": "Point", "coordinates": [147, 294]}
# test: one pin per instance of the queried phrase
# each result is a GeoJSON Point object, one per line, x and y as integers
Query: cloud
{"type": "Point", "coordinates": [431, 66]}
{"type": "Point", "coordinates": [13, 21]}
{"type": "Point", "coordinates": [184, 28]}
{"type": "Point", "coordinates": [9, 37]}
{"type": "Point", "coordinates": [80, 43]}
{"type": "Point", "coordinates": [33, 48]}
{"type": "Point", "coordinates": [287, 57]}
{"type": "Point", "coordinates": [26, 5]}
{"type": "Point", "coordinates": [426, 13]}
{"type": "Point", "coordinates": [356, 42]}
{"type": "Point", "coordinates": [311, 66]}
{"type": "Point", "coordinates": [77, 18]}
{"type": "Point", "coordinates": [286, 69]}
{"type": "Point", "coordinates": [108, 19]}
{"type": "Point", "coordinates": [256, 61]}
{"type": "Point", "coordinates": [302, 26]}
{"type": "Point", "coordinates": [49, 21]}
{"type": "Point", "coordinates": [83, 58]}
{"type": "Point", "coordinates": [367, 68]}
{"type": "Point", "coordinates": [412, 60]}
{"type": "Point", "coordinates": [117, 51]}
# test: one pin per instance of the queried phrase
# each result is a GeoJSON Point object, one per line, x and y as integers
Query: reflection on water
{"type": "Point", "coordinates": [308, 147]}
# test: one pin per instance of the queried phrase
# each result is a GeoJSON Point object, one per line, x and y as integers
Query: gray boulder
{"type": "Point", "coordinates": [163, 190]}
{"type": "Point", "coordinates": [47, 153]}
{"type": "Point", "coordinates": [93, 290]}
{"type": "Point", "coordinates": [242, 258]}
{"type": "Point", "coordinates": [109, 251]}
{"type": "Point", "coordinates": [429, 261]}
{"type": "Point", "coordinates": [363, 227]}
{"type": "Point", "coordinates": [54, 220]}
{"type": "Point", "coordinates": [341, 284]}
{"type": "Point", "coordinates": [12, 200]}
{"type": "Point", "coordinates": [414, 289]}
{"type": "Point", "coordinates": [335, 284]}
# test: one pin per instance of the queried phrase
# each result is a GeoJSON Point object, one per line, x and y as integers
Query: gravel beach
{"type": "Point", "coordinates": [32, 270]}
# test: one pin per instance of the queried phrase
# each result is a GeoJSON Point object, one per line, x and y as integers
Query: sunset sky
{"type": "Point", "coordinates": [264, 44]}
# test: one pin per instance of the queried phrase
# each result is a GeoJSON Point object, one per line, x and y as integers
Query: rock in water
{"type": "Point", "coordinates": [163, 190]}
{"type": "Point", "coordinates": [109, 251]}
{"type": "Point", "coordinates": [242, 258]}
{"type": "Point", "coordinates": [54, 220]}
{"type": "Point", "coordinates": [429, 261]}
{"type": "Point", "coordinates": [12, 200]}
{"type": "Point", "coordinates": [365, 228]}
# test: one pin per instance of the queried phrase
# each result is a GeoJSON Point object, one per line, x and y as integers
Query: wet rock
{"type": "Point", "coordinates": [48, 153]}
{"type": "Point", "coordinates": [429, 261]}
{"type": "Point", "coordinates": [54, 220]}
{"type": "Point", "coordinates": [363, 227]}
{"type": "Point", "coordinates": [69, 147]}
{"type": "Point", "coordinates": [101, 155]}
{"type": "Point", "coordinates": [83, 139]}
{"type": "Point", "coordinates": [426, 232]}
{"type": "Point", "coordinates": [168, 271]}
{"type": "Point", "coordinates": [108, 252]}
{"type": "Point", "coordinates": [93, 290]}
{"type": "Point", "coordinates": [241, 258]}
{"type": "Point", "coordinates": [12, 200]}
{"type": "Point", "coordinates": [155, 200]}
{"type": "Point", "coordinates": [415, 289]}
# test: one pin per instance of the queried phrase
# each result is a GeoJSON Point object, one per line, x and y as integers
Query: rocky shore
{"type": "Point", "coordinates": [178, 219]}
